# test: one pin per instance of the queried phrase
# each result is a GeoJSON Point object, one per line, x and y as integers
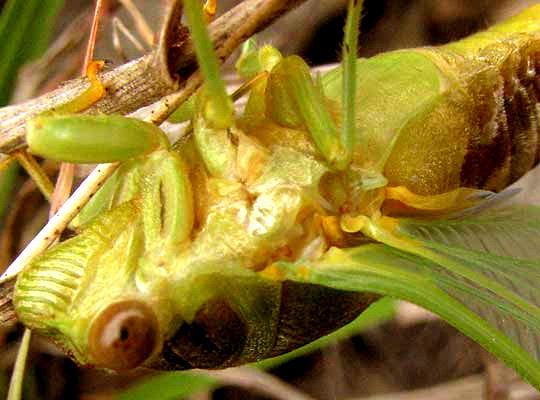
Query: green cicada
{"type": "Point", "coordinates": [257, 233]}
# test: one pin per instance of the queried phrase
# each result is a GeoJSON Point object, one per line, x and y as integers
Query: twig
{"type": "Point", "coordinates": [60, 220]}
{"type": "Point", "coordinates": [120, 28]}
{"type": "Point", "coordinates": [15, 387]}
{"type": "Point", "coordinates": [260, 381]}
{"type": "Point", "coordinates": [140, 23]}
{"type": "Point", "coordinates": [7, 313]}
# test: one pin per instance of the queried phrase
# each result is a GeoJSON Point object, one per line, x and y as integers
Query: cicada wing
{"type": "Point", "coordinates": [480, 273]}
{"type": "Point", "coordinates": [492, 264]}
{"type": "Point", "coordinates": [506, 232]}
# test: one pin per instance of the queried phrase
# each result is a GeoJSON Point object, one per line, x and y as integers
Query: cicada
{"type": "Point", "coordinates": [261, 231]}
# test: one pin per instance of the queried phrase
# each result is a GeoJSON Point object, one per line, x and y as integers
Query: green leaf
{"type": "Point", "coordinates": [25, 29]}
{"type": "Point", "coordinates": [171, 385]}
{"type": "Point", "coordinates": [490, 297]}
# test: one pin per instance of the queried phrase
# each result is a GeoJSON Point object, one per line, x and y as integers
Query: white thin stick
{"type": "Point", "coordinates": [140, 22]}
{"type": "Point", "coordinates": [61, 219]}
{"type": "Point", "coordinates": [118, 28]}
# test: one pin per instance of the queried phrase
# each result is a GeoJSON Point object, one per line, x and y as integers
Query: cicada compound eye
{"type": "Point", "coordinates": [123, 336]}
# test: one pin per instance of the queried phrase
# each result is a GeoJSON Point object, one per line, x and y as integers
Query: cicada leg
{"type": "Point", "coordinates": [160, 182]}
{"type": "Point", "coordinates": [350, 45]}
{"type": "Point", "coordinates": [35, 171]}
{"type": "Point", "coordinates": [86, 99]}
{"type": "Point", "coordinates": [218, 108]}
{"type": "Point", "coordinates": [295, 100]}
{"type": "Point", "coordinates": [90, 96]}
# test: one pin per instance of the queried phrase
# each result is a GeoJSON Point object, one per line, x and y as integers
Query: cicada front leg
{"type": "Point", "coordinates": [295, 100]}
{"type": "Point", "coordinates": [91, 95]}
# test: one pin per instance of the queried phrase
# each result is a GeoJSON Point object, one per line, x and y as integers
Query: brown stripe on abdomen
{"type": "Point", "coordinates": [509, 116]}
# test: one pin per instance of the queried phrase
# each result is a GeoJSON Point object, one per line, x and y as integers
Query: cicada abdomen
{"type": "Point", "coordinates": [507, 111]}
{"type": "Point", "coordinates": [489, 110]}
{"type": "Point", "coordinates": [461, 115]}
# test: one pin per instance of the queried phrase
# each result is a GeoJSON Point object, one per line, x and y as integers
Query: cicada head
{"type": "Point", "coordinates": [81, 294]}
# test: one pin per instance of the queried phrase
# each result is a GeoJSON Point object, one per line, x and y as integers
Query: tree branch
{"type": "Point", "coordinates": [7, 313]}
{"type": "Point", "coordinates": [140, 83]}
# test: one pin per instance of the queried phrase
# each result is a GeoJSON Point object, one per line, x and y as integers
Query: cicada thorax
{"type": "Point", "coordinates": [481, 130]}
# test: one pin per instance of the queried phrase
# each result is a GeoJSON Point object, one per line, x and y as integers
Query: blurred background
{"type": "Point", "coordinates": [413, 354]}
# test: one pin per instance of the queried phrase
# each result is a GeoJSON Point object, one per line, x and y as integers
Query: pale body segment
{"type": "Point", "coordinates": [184, 254]}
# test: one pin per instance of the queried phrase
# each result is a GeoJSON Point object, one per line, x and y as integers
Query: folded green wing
{"type": "Point", "coordinates": [480, 273]}
{"type": "Point", "coordinates": [493, 266]}
{"type": "Point", "coordinates": [508, 232]}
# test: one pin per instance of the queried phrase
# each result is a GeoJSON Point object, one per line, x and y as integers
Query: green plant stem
{"type": "Point", "coordinates": [15, 385]}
